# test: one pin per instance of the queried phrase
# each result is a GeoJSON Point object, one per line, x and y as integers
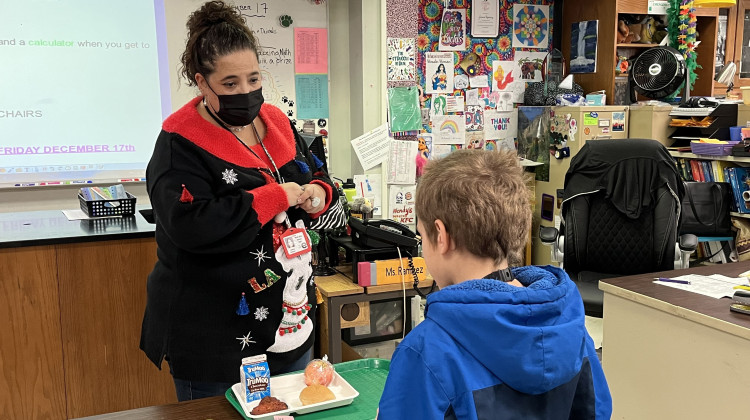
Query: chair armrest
{"type": "Point", "coordinates": [548, 234]}
{"type": "Point", "coordinates": [688, 242]}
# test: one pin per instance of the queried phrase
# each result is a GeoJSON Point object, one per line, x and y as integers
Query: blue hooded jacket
{"type": "Point", "coordinates": [489, 350]}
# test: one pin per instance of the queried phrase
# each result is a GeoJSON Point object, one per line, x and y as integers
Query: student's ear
{"type": "Point", "coordinates": [443, 242]}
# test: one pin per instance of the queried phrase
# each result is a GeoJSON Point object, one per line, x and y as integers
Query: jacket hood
{"type": "Point", "coordinates": [541, 326]}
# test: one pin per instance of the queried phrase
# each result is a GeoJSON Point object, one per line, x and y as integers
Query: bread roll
{"type": "Point", "coordinates": [315, 393]}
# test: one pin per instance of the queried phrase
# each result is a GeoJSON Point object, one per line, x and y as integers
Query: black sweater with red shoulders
{"type": "Point", "coordinates": [223, 288]}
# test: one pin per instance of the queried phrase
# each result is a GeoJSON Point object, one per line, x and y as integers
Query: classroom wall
{"type": "Point", "coordinates": [357, 92]}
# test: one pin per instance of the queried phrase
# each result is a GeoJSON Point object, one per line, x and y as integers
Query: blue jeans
{"type": "Point", "coordinates": [193, 390]}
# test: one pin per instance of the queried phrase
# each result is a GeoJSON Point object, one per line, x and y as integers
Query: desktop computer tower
{"type": "Point", "coordinates": [552, 136]}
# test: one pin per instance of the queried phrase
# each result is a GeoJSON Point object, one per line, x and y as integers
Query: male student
{"type": "Point", "coordinates": [496, 343]}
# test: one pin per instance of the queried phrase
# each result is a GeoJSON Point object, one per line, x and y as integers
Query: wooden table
{"type": "Point", "coordinates": [215, 408]}
{"type": "Point", "coordinates": [670, 353]}
{"type": "Point", "coordinates": [339, 289]}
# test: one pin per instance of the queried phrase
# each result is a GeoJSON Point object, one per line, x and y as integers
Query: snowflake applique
{"type": "Point", "coordinates": [260, 255]}
{"type": "Point", "coordinates": [261, 313]}
{"type": "Point", "coordinates": [246, 340]}
{"type": "Point", "coordinates": [229, 176]}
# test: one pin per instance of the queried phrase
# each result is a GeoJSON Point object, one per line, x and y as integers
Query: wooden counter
{"type": "Point", "coordinates": [70, 317]}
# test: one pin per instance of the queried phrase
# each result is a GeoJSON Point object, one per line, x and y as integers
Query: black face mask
{"type": "Point", "coordinates": [240, 109]}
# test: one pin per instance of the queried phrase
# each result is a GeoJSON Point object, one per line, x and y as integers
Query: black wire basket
{"type": "Point", "coordinates": [99, 208]}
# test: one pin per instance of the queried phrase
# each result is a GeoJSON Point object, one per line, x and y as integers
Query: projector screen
{"type": "Point", "coordinates": [84, 88]}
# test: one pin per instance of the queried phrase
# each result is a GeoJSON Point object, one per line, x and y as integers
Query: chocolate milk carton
{"type": "Point", "coordinates": [255, 377]}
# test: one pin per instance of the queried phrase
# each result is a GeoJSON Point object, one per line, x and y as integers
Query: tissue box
{"type": "Point", "coordinates": [596, 99]}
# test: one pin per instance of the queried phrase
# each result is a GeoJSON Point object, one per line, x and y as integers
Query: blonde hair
{"type": "Point", "coordinates": [481, 197]}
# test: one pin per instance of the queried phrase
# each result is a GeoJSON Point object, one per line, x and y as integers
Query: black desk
{"type": "Point", "coordinates": [51, 227]}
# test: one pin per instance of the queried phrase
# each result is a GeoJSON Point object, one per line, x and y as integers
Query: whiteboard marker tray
{"type": "Point", "coordinates": [287, 388]}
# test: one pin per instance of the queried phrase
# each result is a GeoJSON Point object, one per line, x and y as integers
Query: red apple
{"type": "Point", "coordinates": [319, 372]}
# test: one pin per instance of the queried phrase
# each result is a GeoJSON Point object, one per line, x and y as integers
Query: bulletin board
{"type": "Point", "coordinates": [502, 48]}
{"type": "Point", "coordinates": [290, 81]}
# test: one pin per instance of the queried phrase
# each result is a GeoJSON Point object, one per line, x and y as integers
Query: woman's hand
{"type": "Point", "coordinates": [313, 199]}
{"type": "Point", "coordinates": [293, 192]}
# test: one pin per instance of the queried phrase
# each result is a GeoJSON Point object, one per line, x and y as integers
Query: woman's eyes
{"type": "Point", "coordinates": [231, 85]}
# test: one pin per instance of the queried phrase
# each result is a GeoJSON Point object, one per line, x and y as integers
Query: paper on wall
{"type": "Point", "coordinates": [438, 105]}
{"type": "Point", "coordinates": [485, 18]}
{"type": "Point", "coordinates": [504, 74]}
{"type": "Point", "coordinates": [311, 50]}
{"type": "Point", "coordinates": [439, 72]}
{"type": "Point", "coordinates": [402, 157]}
{"type": "Point", "coordinates": [453, 31]}
{"type": "Point", "coordinates": [401, 63]}
{"type": "Point", "coordinates": [443, 150]}
{"type": "Point", "coordinates": [454, 104]}
{"type": "Point", "coordinates": [479, 81]}
{"type": "Point", "coordinates": [475, 140]}
{"type": "Point", "coordinates": [372, 147]}
{"type": "Point", "coordinates": [529, 66]}
{"type": "Point", "coordinates": [505, 101]}
{"type": "Point", "coordinates": [472, 97]}
{"type": "Point", "coordinates": [368, 185]}
{"type": "Point", "coordinates": [401, 202]}
{"type": "Point", "coordinates": [500, 124]}
{"type": "Point", "coordinates": [474, 117]}
{"type": "Point", "coordinates": [506, 144]}
{"type": "Point", "coordinates": [448, 129]}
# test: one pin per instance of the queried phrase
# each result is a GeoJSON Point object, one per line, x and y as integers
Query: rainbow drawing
{"type": "Point", "coordinates": [449, 126]}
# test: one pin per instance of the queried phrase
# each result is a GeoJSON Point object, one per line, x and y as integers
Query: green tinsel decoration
{"type": "Point", "coordinates": [314, 237]}
{"type": "Point", "coordinates": [683, 25]}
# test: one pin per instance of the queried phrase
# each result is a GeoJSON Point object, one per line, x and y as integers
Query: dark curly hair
{"type": "Point", "coordinates": [214, 30]}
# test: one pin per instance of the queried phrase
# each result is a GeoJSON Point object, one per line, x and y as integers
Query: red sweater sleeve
{"type": "Point", "coordinates": [268, 201]}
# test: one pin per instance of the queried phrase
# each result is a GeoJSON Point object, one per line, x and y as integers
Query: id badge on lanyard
{"type": "Point", "coordinates": [295, 241]}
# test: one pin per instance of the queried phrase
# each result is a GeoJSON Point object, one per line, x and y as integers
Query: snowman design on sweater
{"type": "Point", "coordinates": [295, 327]}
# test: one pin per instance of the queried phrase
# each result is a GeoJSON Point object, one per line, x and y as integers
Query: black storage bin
{"type": "Point", "coordinates": [98, 208]}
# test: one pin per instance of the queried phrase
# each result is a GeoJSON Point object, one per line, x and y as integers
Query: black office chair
{"type": "Point", "coordinates": [620, 211]}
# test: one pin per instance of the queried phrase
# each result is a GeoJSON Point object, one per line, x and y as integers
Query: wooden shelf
{"type": "Point", "coordinates": [735, 214]}
{"type": "Point", "coordinates": [607, 13]}
{"type": "Point", "coordinates": [710, 157]}
{"type": "Point", "coordinates": [636, 45]}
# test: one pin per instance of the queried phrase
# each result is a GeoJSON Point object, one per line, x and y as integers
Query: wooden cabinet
{"type": "Point", "coordinates": [101, 310]}
{"type": "Point", "coordinates": [607, 13]}
{"type": "Point", "coordinates": [70, 321]}
{"type": "Point", "coordinates": [32, 382]}
{"type": "Point", "coordinates": [736, 46]}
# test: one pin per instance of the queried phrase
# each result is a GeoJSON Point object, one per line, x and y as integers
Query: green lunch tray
{"type": "Point", "coordinates": [367, 376]}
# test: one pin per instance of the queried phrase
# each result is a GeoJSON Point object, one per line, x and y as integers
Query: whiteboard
{"type": "Point", "coordinates": [95, 118]}
{"type": "Point", "coordinates": [277, 44]}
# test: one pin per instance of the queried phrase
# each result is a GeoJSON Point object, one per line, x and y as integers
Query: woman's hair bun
{"type": "Point", "coordinates": [215, 29]}
{"type": "Point", "coordinates": [212, 13]}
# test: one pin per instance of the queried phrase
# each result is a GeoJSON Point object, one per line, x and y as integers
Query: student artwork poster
{"type": "Point", "coordinates": [439, 72]}
{"type": "Point", "coordinates": [453, 30]}
{"type": "Point", "coordinates": [474, 116]}
{"type": "Point", "coordinates": [448, 129]}
{"type": "Point", "coordinates": [504, 75]}
{"type": "Point", "coordinates": [530, 65]}
{"type": "Point", "coordinates": [475, 140]}
{"type": "Point", "coordinates": [500, 125]}
{"type": "Point", "coordinates": [530, 26]}
{"type": "Point", "coordinates": [437, 105]}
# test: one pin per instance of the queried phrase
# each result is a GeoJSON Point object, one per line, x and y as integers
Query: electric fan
{"type": "Point", "coordinates": [657, 73]}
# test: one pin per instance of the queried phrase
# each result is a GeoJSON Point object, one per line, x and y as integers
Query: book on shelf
{"type": "Point", "coordinates": [739, 179]}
